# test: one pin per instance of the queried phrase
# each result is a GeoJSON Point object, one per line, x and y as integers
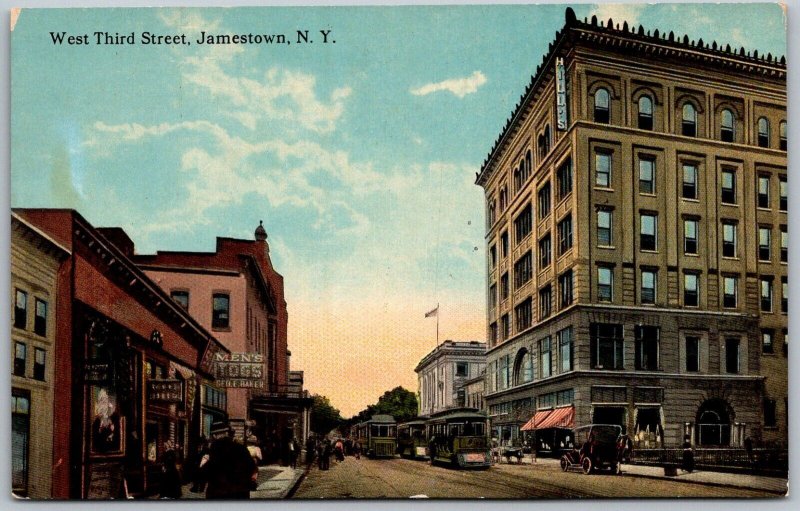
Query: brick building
{"type": "Point", "coordinates": [35, 261]}
{"type": "Point", "coordinates": [127, 364]}
{"type": "Point", "coordinates": [636, 235]}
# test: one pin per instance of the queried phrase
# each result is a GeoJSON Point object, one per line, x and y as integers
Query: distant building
{"type": "Point", "coordinates": [442, 371]}
{"type": "Point", "coordinates": [35, 262]}
{"type": "Point", "coordinates": [637, 240]}
{"type": "Point", "coordinates": [473, 390]}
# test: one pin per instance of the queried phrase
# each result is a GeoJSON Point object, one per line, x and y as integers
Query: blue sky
{"type": "Point", "coordinates": [360, 156]}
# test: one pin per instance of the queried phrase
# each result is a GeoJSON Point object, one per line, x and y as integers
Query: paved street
{"type": "Point", "coordinates": [400, 478]}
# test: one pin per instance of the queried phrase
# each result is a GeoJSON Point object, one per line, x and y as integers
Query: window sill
{"type": "Point", "coordinates": [221, 329]}
{"type": "Point", "coordinates": [731, 204]}
{"type": "Point", "coordinates": [645, 194]}
{"type": "Point", "coordinates": [648, 251]}
{"type": "Point", "coordinates": [691, 254]}
{"type": "Point", "coordinates": [761, 208]}
{"type": "Point", "coordinates": [764, 261]}
{"type": "Point", "coordinates": [603, 189]}
{"type": "Point", "coordinates": [768, 354]}
{"type": "Point", "coordinates": [689, 199]}
{"type": "Point", "coordinates": [607, 247]}
{"type": "Point", "coordinates": [730, 258]}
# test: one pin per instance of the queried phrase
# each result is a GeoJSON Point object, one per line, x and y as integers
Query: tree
{"type": "Point", "coordinates": [398, 402]}
{"type": "Point", "coordinates": [324, 417]}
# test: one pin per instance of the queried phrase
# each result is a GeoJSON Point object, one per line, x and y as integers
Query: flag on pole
{"type": "Point", "coordinates": [432, 313]}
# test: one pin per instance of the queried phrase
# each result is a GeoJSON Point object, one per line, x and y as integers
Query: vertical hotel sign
{"type": "Point", "coordinates": [561, 96]}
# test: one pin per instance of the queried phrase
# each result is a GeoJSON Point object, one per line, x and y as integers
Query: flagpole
{"type": "Point", "coordinates": [437, 324]}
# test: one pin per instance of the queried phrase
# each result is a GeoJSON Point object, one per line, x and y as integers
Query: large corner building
{"type": "Point", "coordinates": [637, 241]}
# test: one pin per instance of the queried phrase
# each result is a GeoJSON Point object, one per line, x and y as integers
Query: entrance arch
{"type": "Point", "coordinates": [714, 423]}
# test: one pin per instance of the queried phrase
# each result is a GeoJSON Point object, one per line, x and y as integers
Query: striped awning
{"type": "Point", "coordinates": [558, 418]}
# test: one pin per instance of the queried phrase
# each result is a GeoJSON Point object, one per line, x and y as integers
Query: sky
{"type": "Point", "coordinates": [359, 156]}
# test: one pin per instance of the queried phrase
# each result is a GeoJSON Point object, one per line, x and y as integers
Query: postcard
{"type": "Point", "coordinates": [392, 252]}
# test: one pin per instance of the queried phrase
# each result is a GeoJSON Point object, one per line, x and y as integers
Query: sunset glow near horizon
{"type": "Point", "coordinates": [359, 155]}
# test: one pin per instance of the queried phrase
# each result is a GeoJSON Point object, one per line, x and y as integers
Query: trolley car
{"type": "Point", "coordinates": [459, 438]}
{"type": "Point", "coordinates": [411, 441]}
{"type": "Point", "coordinates": [377, 436]}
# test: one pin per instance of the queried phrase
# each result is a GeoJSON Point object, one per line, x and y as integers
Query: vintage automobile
{"type": "Point", "coordinates": [602, 446]}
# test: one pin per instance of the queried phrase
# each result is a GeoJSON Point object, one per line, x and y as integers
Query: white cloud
{"type": "Point", "coordinates": [458, 86]}
{"type": "Point", "coordinates": [620, 13]}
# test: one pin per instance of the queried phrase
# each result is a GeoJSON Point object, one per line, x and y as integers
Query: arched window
{"type": "Point", "coordinates": [517, 179]}
{"type": "Point", "coordinates": [524, 172]}
{"type": "Point", "coordinates": [645, 113]}
{"type": "Point", "coordinates": [528, 164]}
{"type": "Point", "coordinates": [689, 120]}
{"type": "Point", "coordinates": [546, 139]}
{"type": "Point", "coordinates": [540, 144]}
{"type": "Point", "coordinates": [727, 126]}
{"type": "Point", "coordinates": [782, 133]}
{"type": "Point", "coordinates": [523, 367]}
{"type": "Point", "coordinates": [601, 106]}
{"type": "Point", "coordinates": [763, 132]}
{"type": "Point", "coordinates": [503, 199]}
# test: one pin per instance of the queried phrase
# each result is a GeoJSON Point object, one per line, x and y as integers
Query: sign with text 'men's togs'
{"type": "Point", "coordinates": [239, 370]}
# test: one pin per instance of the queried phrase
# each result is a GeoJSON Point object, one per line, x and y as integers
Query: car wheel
{"type": "Point", "coordinates": [586, 465]}
{"type": "Point", "coordinates": [564, 463]}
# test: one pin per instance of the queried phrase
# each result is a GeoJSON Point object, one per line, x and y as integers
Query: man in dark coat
{"type": "Point", "coordinates": [230, 470]}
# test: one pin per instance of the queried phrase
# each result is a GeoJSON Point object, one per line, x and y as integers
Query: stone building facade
{"type": "Point", "coordinates": [442, 372]}
{"type": "Point", "coordinates": [636, 236]}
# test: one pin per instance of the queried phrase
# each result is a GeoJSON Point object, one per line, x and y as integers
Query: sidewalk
{"type": "Point", "coordinates": [776, 485]}
{"type": "Point", "coordinates": [274, 482]}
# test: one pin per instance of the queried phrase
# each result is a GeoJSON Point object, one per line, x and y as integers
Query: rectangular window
{"type": "Point", "coordinates": [564, 339]}
{"type": "Point", "coordinates": [604, 228]}
{"type": "Point", "coordinates": [545, 368]}
{"type": "Point", "coordinates": [565, 288]}
{"type": "Point", "coordinates": [763, 191]}
{"type": "Point", "coordinates": [783, 197]}
{"type": "Point", "coordinates": [605, 284]}
{"type": "Point", "coordinates": [764, 241]}
{"type": "Point", "coordinates": [524, 223]}
{"type": "Point", "coordinates": [504, 286]}
{"type": "Point", "coordinates": [732, 355]}
{"type": "Point", "coordinates": [770, 419]}
{"type": "Point", "coordinates": [690, 236]}
{"type": "Point", "coordinates": [544, 201]}
{"type": "Point", "coordinates": [461, 368]}
{"type": "Point", "coordinates": [606, 346]}
{"type": "Point", "coordinates": [565, 235]}
{"type": "Point", "coordinates": [729, 243]}
{"type": "Point", "coordinates": [564, 176]}
{"type": "Point", "coordinates": [492, 257]}
{"type": "Point", "coordinates": [767, 337]}
{"type": "Point", "coordinates": [181, 298]}
{"type": "Point", "coordinates": [692, 354]}
{"type": "Point", "coordinates": [544, 252]}
{"type": "Point", "coordinates": [647, 347]}
{"type": "Point", "coordinates": [647, 171]}
{"type": "Point", "coordinates": [493, 334]}
{"type": "Point", "coordinates": [40, 318]}
{"type": "Point", "coordinates": [784, 245]}
{"type": "Point", "coordinates": [221, 311]}
{"type": "Point", "coordinates": [730, 292]}
{"type": "Point", "coordinates": [21, 309]}
{"type": "Point", "coordinates": [504, 244]}
{"type": "Point", "coordinates": [523, 270]}
{"type": "Point", "coordinates": [20, 358]}
{"type": "Point", "coordinates": [39, 358]}
{"type": "Point", "coordinates": [648, 229]}
{"type": "Point", "coordinates": [728, 187]}
{"type": "Point", "coordinates": [784, 295]}
{"type": "Point", "coordinates": [493, 296]}
{"type": "Point", "coordinates": [545, 298]}
{"type": "Point", "coordinates": [691, 290]}
{"type": "Point", "coordinates": [648, 293]}
{"type": "Point", "coordinates": [602, 162]}
{"type": "Point", "coordinates": [505, 323]}
{"type": "Point", "coordinates": [766, 294]}
{"type": "Point", "coordinates": [689, 181]}
{"type": "Point", "coordinates": [522, 312]}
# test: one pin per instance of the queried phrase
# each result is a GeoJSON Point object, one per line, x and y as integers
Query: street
{"type": "Point", "coordinates": [402, 478]}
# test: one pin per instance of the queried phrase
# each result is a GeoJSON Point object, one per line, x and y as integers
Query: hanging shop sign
{"type": "Point", "coordinates": [165, 391]}
{"type": "Point", "coordinates": [96, 372]}
{"type": "Point", "coordinates": [239, 370]}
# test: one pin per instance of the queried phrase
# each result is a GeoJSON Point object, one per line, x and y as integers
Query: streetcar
{"type": "Point", "coordinates": [377, 436]}
{"type": "Point", "coordinates": [411, 441]}
{"type": "Point", "coordinates": [459, 438]}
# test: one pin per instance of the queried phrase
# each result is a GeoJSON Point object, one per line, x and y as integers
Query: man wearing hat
{"type": "Point", "coordinates": [230, 469]}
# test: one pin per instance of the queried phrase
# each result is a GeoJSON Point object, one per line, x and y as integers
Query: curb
{"type": "Point", "coordinates": [707, 483]}
{"type": "Point", "coordinates": [296, 484]}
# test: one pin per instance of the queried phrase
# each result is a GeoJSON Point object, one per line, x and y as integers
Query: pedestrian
{"type": "Point", "coordinates": [339, 449]}
{"type": "Point", "coordinates": [294, 447]}
{"type": "Point", "coordinates": [231, 471]}
{"type": "Point", "coordinates": [326, 454]}
{"type": "Point", "coordinates": [199, 462]}
{"type": "Point", "coordinates": [748, 446]}
{"type": "Point", "coordinates": [357, 449]}
{"type": "Point", "coordinates": [311, 447]}
{"type": "Point", "coordinates": [688, 455]}
{"type": "Point", "coordinates": [170, 484]}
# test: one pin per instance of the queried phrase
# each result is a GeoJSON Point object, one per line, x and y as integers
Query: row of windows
{"type": "Point", "coordinates": [552, 355]}
{"type": "Point", "coordinates": [690, 181]}
{"type": "Point", "coordinates": [21, 304]}
{"type": "Point", "coordinates": [691, 289]}
{"type": "Point", "coordinates": [21, 361]}
{"type": "Point", "coordinates": [220, 308]}
{"type": "Point", "coordinates": [768, 341]}
{"type": "Point", "coordinates": [689, 121]}
{"type": "Point", "coordinates": [648, 235]}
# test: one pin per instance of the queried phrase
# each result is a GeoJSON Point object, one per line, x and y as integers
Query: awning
{"type": "Point", "coordinates": [560, 418]}
{"type": "Point", "coordinates": [536, 420]}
